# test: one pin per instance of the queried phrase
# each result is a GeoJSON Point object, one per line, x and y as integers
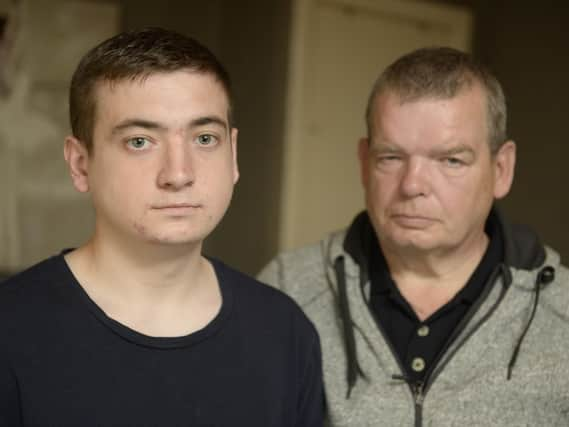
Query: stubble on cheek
{"type": "Point", "coordinates": [146, 233]}
{"type": "Point", "coordinates": [139, 224]}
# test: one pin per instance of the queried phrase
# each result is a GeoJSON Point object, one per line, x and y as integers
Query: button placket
{"type": "Point", "coordinates": [418, 364]}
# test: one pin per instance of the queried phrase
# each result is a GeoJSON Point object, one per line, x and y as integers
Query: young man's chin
{"type": "Point", "coordinates": [172, 235]}
{"type": "Point", "coordinates": [178, 239]}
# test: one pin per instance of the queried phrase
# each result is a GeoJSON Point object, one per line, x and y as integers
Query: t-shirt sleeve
{"type": "Point", "coordinates": [311, 400]}
{"type": "Point", "coordinates": [9, 396]}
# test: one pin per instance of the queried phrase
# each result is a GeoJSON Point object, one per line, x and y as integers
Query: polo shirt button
{"type": "Point", "coordinates": [418, 364]}
{"type": "Point", "coordinates": [423, 331]}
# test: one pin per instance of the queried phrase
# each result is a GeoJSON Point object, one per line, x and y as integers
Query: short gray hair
{"type": "Point", "coordinates": [442, 72]}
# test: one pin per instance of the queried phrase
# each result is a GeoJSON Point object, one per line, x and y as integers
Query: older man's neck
{"type": "Point", "coordinates": [428, 280]}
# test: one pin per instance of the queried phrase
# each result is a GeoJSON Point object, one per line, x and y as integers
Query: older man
{"type": "Point", "coordinates": [431, 308]}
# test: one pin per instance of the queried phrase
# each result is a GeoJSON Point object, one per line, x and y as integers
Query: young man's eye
{"type": "Point", "coordinates": [206, 140]}
{"type": "Point", "coordinates": [138, 143]}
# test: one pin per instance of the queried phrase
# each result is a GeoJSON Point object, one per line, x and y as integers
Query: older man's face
{"type": "Point", "coordinates": [428, 173]}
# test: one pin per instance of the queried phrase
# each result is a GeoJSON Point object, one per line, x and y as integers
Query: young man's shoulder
{"type": "Point", "coordinates": [34, 282]}
{"type": "Point", "coordinates": [261, 302]}
{"type": "Point", "coordinates": [29, 300]}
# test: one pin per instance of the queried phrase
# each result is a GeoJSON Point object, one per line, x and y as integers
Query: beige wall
{"type": "Point", "coordinates": [525, 44]}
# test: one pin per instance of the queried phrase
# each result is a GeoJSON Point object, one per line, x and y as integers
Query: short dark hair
{"type": "Point", "coordinates": [135, 55]}
{"type": "Point", "coordinates": [442, 72]}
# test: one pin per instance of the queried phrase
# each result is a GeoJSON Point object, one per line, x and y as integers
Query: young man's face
{"type": "Point", "coordinates": [429, 176]}
{"type": "Point", "coordinates": [163, 162]}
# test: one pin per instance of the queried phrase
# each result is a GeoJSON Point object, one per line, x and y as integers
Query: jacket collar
{"type": "Point", "coordinates": [522, 248]}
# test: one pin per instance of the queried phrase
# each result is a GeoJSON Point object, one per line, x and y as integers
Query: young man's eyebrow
{"type": "Point", "coordinates": [151, 125]}
{"type": "Point", "coordinates": [206, 120]}
{"type": "Point", "coordinates": [137, 123]}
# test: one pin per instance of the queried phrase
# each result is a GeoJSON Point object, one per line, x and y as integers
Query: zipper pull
{"type": "Point", "coordinates": [417, 388]}
{"type": "Point", "coordinates": [418, 392]}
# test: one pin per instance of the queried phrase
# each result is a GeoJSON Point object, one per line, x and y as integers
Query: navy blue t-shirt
{"type": "Point", "coordinates": [63, 362]}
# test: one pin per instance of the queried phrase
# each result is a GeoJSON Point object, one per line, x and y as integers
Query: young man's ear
{"type": "Point", "coordinates": [77, 156]}
{"type": "Point", "coordinates": [234, 133]}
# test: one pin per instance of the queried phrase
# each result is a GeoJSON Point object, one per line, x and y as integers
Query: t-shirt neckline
{"type": "Point", "coordinates": [141, 339]}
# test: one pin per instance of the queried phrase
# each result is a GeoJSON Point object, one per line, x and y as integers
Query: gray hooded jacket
{"type": "Point", "coordinates": [507, 364]}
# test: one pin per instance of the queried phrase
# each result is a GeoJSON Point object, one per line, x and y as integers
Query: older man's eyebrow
{"type": "Point", "coordinates": [138, 123]}
{"type": "Point", "coordinates": [385, 147]}
{"type": "Point", "coordinates": [458, 149]}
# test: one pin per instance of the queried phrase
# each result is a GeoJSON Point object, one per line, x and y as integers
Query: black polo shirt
{"type": "Point", "coordinates": [418, 344]}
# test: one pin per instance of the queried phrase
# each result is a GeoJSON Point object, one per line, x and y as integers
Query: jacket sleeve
{"type": "Point", "coordinates": [9, 396]}
{"type": "Point", "coordinates": [311, 396]}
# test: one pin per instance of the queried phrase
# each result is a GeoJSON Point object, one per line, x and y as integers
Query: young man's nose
{"type": "Point", "coordinates": [176, 169]}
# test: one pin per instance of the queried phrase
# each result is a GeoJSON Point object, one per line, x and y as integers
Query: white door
{"type": "Point", "coordinates": [338, 48]}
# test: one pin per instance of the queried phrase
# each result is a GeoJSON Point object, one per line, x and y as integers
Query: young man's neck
{"type": "Point", "coordinates": [145, 264]}
{"type": "Point", "coordinates": [431, 279]}
{"type": "Point", "coordinates": [158, 290]}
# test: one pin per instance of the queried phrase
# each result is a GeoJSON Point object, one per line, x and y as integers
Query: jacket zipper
{"type": "Point", "coordinates": [420, 388]}
{"type": "Point", "coordinates": [437, 368]}
{"type": "Point", "coordinates": [418, 392]}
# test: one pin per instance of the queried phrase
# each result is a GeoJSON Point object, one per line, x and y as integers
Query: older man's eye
{"type": "Point", "coordinates": [389, 158]}
{"type": "Point", "coordinates": [453, 162]}
{"type": "Point", "coordinates": [138, 143]}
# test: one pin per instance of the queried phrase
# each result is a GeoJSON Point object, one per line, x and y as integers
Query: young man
{"type": "Point", "coordinates": [136, 327]}
{"type": "Point", "coordinates": [432, 309]}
